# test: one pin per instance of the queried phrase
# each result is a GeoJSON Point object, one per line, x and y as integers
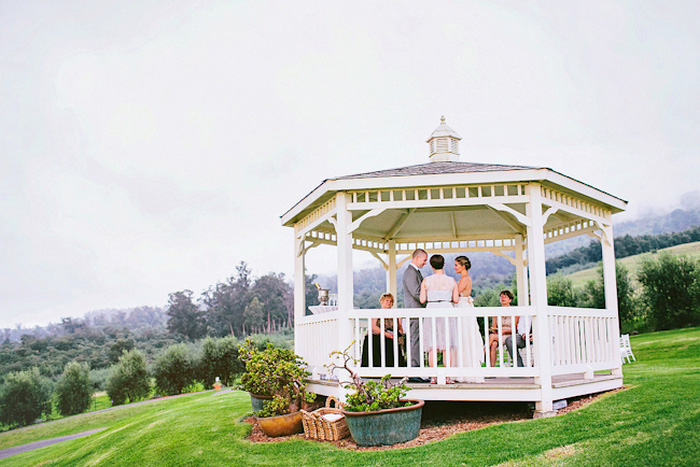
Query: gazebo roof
{"type": "Point", "coordinates": [435, 168]}
{"type": "Point", "coordinates": [448, 173]}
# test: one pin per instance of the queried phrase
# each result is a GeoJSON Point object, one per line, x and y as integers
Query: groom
{"type": "Point", "coordinates": [412, 279]}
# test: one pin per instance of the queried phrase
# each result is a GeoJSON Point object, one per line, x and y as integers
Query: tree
{"type": "Point", "coordinates": [117, 349]}
{"type": "Point", "coordinates": [219, 358]}
{"type": "Point", "coordinates": [560, 291]}
{"type": "Point", "coordinates": [253, 315]}
{"type": "Point", "coordinates": [276, 296]}
{"type": "Point", "coordinates": [226, 303]}
{"type": "Point", "coordinates": [173, 369]}
{"type": "Point", "coordinates": [184, 316]}
{"type": "Point", "coordinates": [129, 379]}
{"type": "Point", "coordinates": [671, 291]}
{"type": "Point", "coordinates": [74, 390]}
{"type": "Point", "coordinates": [24, 397]}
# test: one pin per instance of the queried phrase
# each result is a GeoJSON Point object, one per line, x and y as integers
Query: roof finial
{"type": "Point", "coordinates": [444, 143]}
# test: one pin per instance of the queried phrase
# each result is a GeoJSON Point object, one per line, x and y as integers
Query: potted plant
{"type": "Point", "coordinates": [377, 412]}
{"type": "Point", "coordinates": [275, 380]}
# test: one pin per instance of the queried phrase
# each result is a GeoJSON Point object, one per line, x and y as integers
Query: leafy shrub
{"type": "Point", "coordinates": [560, 291]}
{"type": "Point", "coordinates": [370, 395]}
{"type": "Point", "coordinates": [173, 370]}
{"type": "Point", "coordinates": [74, 390]}
{"type": "Point", "coordinates": [274, 372]}
{"type": "Point", "coordinates": [671, 291]}
{"type": "Point", "coordinates": [194, 386]}
{"type": "Point", "coordinates": [24, 397]}
{"type": "Point", "coordinates": [129, 380]}
{"type": "Point", "coordinates": [219, 357]}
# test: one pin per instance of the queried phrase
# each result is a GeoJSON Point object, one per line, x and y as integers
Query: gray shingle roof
{"type": "Point", "coordinates": [435, 168]}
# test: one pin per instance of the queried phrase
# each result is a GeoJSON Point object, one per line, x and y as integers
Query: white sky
{"type": "Point", "coordinates": [148, 147]}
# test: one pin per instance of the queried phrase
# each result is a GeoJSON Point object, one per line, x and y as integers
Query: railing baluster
{"type": "Point", "coordinates": [395, 341]}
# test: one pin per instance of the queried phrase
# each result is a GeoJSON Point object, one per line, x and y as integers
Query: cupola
{"type": "Point", "coordinates": [444, 143]}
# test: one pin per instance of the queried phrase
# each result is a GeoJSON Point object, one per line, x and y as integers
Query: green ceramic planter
{"type": "Point", "coordinates": [385, 427]}
{"type": "Point", "coordinates": [257, 402]}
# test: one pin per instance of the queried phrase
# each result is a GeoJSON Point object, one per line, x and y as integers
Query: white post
{"type": "Point", "coordinates": [538, 296]}
{"type": "Point", "coordinates": [299, 289]}
{"type": "Point", "coordinates": [345, 280]}
{"type": "Point", "coordinates": [391, 286]}
{"type": "Point", "coordinates": [610, 284]}
{"type": "Point", "coordinates": [520, 273]}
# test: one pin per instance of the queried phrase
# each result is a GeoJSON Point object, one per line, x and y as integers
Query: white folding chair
{"type": "Point", "coordinates": [626, 349]}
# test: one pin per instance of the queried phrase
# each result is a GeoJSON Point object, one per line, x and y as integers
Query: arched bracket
{"type": "Point", "coordinates": [381, 260]}
{"type": "Point", "coordinates": [548, 213]}
{"type": "Point", "coordinates": [357, 222]}
{"type": "Point", "coordinates": [521, 218]}
{"type": "Point", "coordinates": [606, 230]}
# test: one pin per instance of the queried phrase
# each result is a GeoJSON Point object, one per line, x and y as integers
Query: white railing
{"type": "Point", "coordinates": [582, 340]}
{"type": "Point", "coordinates": [315, 337]}
{"type": "Point", "coordinates": [459, 323]}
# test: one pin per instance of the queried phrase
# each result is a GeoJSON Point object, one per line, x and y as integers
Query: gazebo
{"type": "Point", "coordinates": [449, 206]}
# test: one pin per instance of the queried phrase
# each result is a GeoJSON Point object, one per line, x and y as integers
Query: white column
{"type": "Point", "coordinates": [610, 284]}
{"type": "Point", "coordinates": [391, 286]}
{"type": "Point", "coordinates": [299, 289]}
{"type": "Point", "coordinates": [345, 279]}
{"type": "Point", "coordinates": [538, 296]}
{"type": "Point", "coordinates": [520, 273]}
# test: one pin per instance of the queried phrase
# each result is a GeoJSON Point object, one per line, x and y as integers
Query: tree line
{"type": "Point", "coordinates": [624, 246]}
{"type": "Point", "coordinates": [239, 306]}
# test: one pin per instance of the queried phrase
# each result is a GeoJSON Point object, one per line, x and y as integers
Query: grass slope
{"type": "Point", "coordinates": [654, 422]}
{"type": "Point", "coordinates": [633, 262]}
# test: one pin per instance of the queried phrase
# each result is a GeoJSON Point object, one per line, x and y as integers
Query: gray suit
{"type": "Point", "coordinates": [412, 279]}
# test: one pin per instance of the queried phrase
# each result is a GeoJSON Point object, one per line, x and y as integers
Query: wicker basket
{"type": "Point", "coordinates": [318, 427]}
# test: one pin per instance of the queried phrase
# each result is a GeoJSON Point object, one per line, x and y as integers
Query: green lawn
{"type": "Point", "coordinates": [633, 262]}
{"type": "Point", "coordinates": [654, 422]}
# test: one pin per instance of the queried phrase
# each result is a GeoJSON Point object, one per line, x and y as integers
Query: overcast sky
{"type": "Point", "coordinates": [149, 147]}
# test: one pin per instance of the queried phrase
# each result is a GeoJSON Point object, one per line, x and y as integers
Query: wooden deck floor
{"type": "Point", "coordinates": [498, 389]}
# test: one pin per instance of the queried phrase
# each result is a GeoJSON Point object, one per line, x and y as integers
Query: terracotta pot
{"type": "Point", "coordinates": [389, 426]}
{"type": "Point", "coordinates": [282, 425]}
{"type": "Point", "coordinates": [257, 401]}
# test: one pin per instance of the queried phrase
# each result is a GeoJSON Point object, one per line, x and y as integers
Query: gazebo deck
{"type": "Point", "coordinates": [497, 388]}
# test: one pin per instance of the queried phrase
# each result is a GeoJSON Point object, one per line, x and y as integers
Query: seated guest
{"type": "Point", "coordinates": [523, 332]}
{"type": "Point", "coordinates": [387, 301]}
{"type": "Point", "coordinates": [507, 327]}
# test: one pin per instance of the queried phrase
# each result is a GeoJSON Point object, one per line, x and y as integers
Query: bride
{"type": "Point", "coordinates": [472, 345]}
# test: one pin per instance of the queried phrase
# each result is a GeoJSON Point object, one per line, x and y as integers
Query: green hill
{"type": "Point", "coordinates": [633, 262]}
{"type": "Point", "coordinates": [652, 422]}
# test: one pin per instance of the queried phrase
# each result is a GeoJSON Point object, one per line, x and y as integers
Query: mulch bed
{"type": "Point", "coordinates": [443, 419]}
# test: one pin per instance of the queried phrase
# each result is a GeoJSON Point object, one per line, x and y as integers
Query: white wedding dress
{"type": "Point", "coordinates": [473, 344]}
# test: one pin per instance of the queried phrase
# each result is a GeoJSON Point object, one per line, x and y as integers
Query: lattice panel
{"type": "Point", "coordinates": [572, 229]}
{"type": "Point", "coordinates": [498, 191]}
{"type": "Point", "coordinates": [576, 203]}
{"type": "Point", "coordinates": [319, 212]}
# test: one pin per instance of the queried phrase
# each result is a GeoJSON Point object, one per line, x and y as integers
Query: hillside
{"type": "Point", "coordinates": [633, 262]}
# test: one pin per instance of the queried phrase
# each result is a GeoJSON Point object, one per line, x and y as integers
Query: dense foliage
{"type": "Point", "coordinates": [274, 372]}
{"type": "Point", "coordinates": [219, 357]}
{"type": "Point", "coordinates": [173, 370]}
{"type": "Point", "coordinates": [73, 392]}
{"type": "Point", "coordinates": [24, 397]}
{"type": "Point", "coordinates": [129, 380]}
{"type": "Point", "coordinates": [671, 291]}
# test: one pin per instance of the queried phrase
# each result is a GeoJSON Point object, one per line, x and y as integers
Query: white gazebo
{"type": "Point", "coordinates": [448, 206]}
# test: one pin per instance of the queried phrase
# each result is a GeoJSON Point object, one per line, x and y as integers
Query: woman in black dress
{"type": "Point", "coordinates": [386, 301]}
